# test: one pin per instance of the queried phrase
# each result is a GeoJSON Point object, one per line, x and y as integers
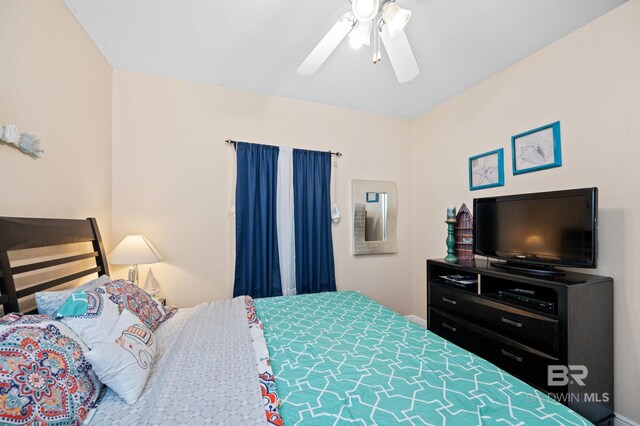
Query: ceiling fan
{"type": "Point", "coordinates": [386, 20]}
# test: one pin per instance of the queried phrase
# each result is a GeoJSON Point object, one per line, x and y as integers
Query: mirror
{"type": "Point", "coordinates": [374, 216]}
{"type": "Point", "coordinates": [375, 222]}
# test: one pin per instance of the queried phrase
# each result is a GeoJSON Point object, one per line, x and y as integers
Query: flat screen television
{"type": "Point", "coordinates": [538, 231]}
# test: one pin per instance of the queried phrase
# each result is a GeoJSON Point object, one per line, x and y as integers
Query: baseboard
{"type": "Point", "coordinates": [417, 320]}
{"type": "Point", "coordinates": [623, 421]}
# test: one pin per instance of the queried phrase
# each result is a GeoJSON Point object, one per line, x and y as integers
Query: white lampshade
{"type": "Point", "coordinates": [395, 18]}
{"type": "Point", "coordinates": [135, 250]}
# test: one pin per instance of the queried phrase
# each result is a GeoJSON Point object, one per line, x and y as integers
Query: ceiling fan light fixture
{"type": "Point", "coordinates": [361, 34]}
{"type": "Point", "coordinates": [365, 10]}
{"type": "Point", "coordinates": [389, 20]}
{"type": "Point", "coordinates": [395, 18]}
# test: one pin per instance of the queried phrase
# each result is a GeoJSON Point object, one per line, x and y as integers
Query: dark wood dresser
{"type": "Point", "coordinates": [529, 325]}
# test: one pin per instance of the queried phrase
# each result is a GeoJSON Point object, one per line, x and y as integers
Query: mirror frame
{"type": "Point", "coordinates": [359, 189]}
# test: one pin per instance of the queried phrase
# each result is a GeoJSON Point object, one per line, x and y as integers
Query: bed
{"type": "Point", "coordinates": [328, 358]}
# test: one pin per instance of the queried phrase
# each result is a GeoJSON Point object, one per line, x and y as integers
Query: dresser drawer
{"type": "Point", "coordinates": [526, 327]}
{"type": "Point", "coordinates": [454, 330]}
{"type": "Point", "coordinates": [524, 362]}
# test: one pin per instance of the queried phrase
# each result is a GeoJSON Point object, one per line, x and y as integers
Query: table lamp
{"type": "Point", "coordinates": [134, 250]}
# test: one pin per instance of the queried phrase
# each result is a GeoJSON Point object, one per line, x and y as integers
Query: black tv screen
{"type": "Point", "coordinates": [547, 228]}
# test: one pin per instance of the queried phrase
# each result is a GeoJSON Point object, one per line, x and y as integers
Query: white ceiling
{"type": "Point", "coordinates": [257, 45]}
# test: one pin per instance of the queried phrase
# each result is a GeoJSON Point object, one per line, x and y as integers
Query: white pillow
{"type": "Point", "coordinates": [123, 360]}
{"type": "Point", "coordinates": [49, 302]}
{"type": "Point", "coordinates": [101, 316]}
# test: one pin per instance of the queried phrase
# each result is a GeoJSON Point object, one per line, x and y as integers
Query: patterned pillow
{"type": "Point", "coordinates": [49, 302]}
{"type": "Point", "coordinates": [123, 360]}
{"type": "Point", "coordinates": [142, 304]}
{"type": "Point", "coordinates": [44, 376]}
{"type": "Point", "coordinates": [98, 319]}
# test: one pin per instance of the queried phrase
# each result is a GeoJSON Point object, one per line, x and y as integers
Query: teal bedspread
{"type": "Point", "coordinates": [341, 358]}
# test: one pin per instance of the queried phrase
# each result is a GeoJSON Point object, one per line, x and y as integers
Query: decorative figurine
{"type": "Point", "coordinates": [464, 234]}
{"type": "Point", "coordinates": [151, 284]}
{"type": "Point", "coordinates": [25, 142]}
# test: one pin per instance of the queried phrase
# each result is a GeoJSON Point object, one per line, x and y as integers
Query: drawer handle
{"type": "Point", "coordinates": [512, 322]}
{"type": "Point", "coordinates": [449, 327]}
{"type": "Point", "coordinates": [446, 299]}
{"type": "Point", "coordinates": [512, 356]}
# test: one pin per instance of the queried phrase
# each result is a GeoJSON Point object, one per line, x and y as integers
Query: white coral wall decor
{"type": "Point", "coordinates": [25, 142]}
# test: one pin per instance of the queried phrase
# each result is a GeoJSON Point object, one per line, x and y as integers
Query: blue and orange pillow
{"type": "Point", "coordinates": [44, 375]}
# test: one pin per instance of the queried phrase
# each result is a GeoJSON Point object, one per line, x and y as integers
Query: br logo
{"type": "Point", "coordinates": [562, 375]}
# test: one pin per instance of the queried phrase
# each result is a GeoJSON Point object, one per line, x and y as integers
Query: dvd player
{"type": "Point", "coordinates": [464, 281]}
{"type": "Point", "coordinates": [526, 300]}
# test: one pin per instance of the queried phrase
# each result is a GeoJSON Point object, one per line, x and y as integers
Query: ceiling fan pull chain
{"type": "Point", "coordinates": [375, 47]}
{"type": "Point", "coordinates": [378, 57]}
{"type": "Point", "coordinates": [376, 41]}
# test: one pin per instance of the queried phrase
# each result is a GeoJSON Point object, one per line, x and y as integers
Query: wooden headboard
{"type": "Point", "coordinates": [27, 233]}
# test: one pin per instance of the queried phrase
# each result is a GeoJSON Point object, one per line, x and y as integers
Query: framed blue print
{"type": "Point", "coordinates": [536, 149]}
{"type": "Point", "coordinates": [486, 170]}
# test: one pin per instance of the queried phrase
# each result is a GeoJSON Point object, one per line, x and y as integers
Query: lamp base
{"type": "Point", "coordinates": [133, 274]}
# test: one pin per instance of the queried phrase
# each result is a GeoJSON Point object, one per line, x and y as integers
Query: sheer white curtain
{"type": "Point", "coordinates": [285, 222]}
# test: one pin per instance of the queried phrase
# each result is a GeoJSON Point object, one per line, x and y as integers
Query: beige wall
{"type": "Point", "coordinates": [589, 81]}
{"type": "Point", "coordinates": [55, 84]}
{"type": "Point", "coordinates": [172, 179]}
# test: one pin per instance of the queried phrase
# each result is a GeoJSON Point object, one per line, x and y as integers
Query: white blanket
{"type": "Point", "coordinates": [204, 373]}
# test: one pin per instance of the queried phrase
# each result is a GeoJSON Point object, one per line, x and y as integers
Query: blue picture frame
{"type": "Point", "coordinates": [486, 170]}
{"type": "Point", "coordinates": [373, 197]}
{"type": "Point", "coordinates": [537, 149]}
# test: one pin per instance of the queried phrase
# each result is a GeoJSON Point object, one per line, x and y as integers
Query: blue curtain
{"type": "Point", "coordinates": [257, 264]}
{"type": "Point", "coordinates": [315, 270]}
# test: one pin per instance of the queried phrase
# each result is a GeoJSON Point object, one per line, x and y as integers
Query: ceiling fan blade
{"type": "Point", "coordinates": [327, 45]}
{"type": "Point", "coordinates": [400, 55]}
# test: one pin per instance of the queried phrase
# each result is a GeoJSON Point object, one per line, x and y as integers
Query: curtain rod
{"type": "Point", "coordinates": [337, 154]}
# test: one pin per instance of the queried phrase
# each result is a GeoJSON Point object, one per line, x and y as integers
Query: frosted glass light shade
{"type": "Point", "coordinates": [135, 250]}
{"type": "Point", "coordinates": [395, 18]}
{"type": "Point", "coordinates": [365, 10]}
{"type": "Point", "coordinates": [361, 34]}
